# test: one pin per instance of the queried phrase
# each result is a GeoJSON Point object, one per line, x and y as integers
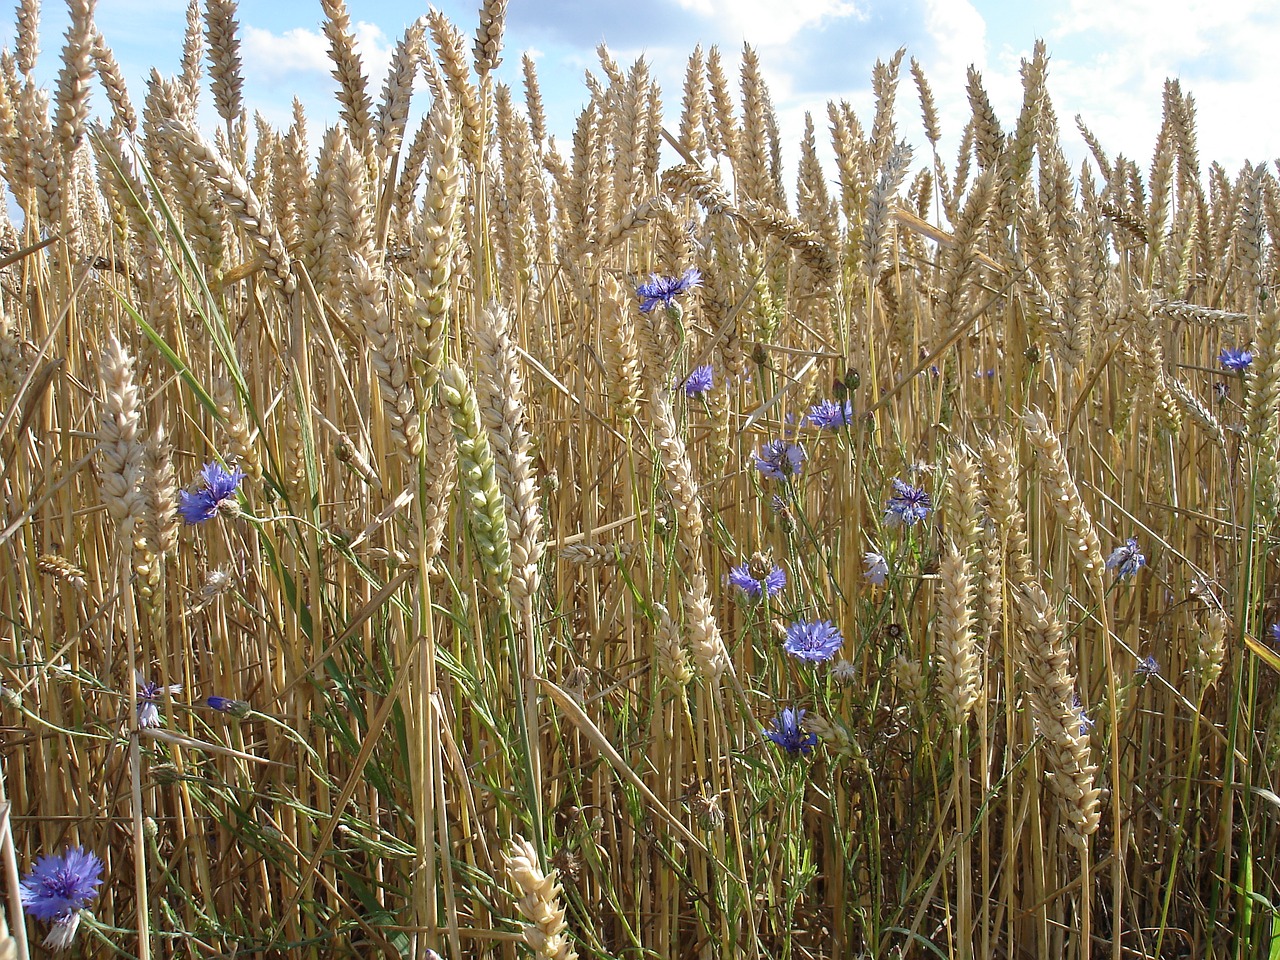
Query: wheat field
{"type": "Point", "coordinates": [424, 538]}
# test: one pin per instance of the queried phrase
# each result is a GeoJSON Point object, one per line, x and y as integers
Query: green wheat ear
{"type": "Point", "coordinates": [476, 473]}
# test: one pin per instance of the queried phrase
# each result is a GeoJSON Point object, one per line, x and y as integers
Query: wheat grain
{"type": "Point", "coordinates": [370, 303]}
{"type": "Point", "coordinates": [722, 126]}
{"type": "Point", "coordinates": [113, 82]}
{"type": "Point", "coordinates": [1262, 407]}
{"type": "Point", "coordinates": [695, 108]}
{"type": "Point", "coordinates": [1000, 483]}
{"type": "Point", "coordinates": [477, 474]}
{"type": "Point", "coordinates": [538, 900]}
{"type": "Point", "coordinates": [451, 50]}
{"type": "Point", "coordinates": [1055, 474]}
{"type": "Point", "coordinates": [160, 490]}
{"type": "Point", "coordinates": [27, 42]}
{"type": "Point", "coordinates": [1050, 687]}
{"type": "Point", "coordinates": [120, 449]}
{"type": "Point", "coordinates": [501, 400]}
{"type": "Point", "coordinates": [750, 161]}
{"type": "Point", "coordinates": [192, 56]}
{"type": "Point", "coordinates": [670, 651]}
{"type": "Point", "coordinates": [928, 107]}
{"type": "Point", "coordinates": [533, 102]}
{"type": "Point", "coordinates": [621, 355]}
{"type": "Point", "coordinates": [488, 45]}
{"type": "Point", "coordinates": [875, 225]}
{"type": "Point", "coordinates": [677, 477]}
{"type": "Point", "coordinates": [437, 236]}
{"type": "Point", "coordinates": [225, 78]}
{"type": "Point", "coordinates": [959, 262]}
{"type": "Point", "coordinates": [884, 83]}
{"type": "Point", "coordinates": [61, 569]}
{"type": "Point", "coordinates": [957, 654]}
{"type": "Point", "coordinates": [240, 436]}
{"type": "Point", "coordinates": [397, 90]}
{"type": "Point", "coordinates": [441, 458]}
{"type": "Point", "coordinates": [353, 86]}
{"type": "Point", "coordinates": [705, 642]}
{"type": "Point", "coordinates": [243, 203]}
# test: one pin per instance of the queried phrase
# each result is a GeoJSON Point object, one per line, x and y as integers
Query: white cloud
{"type": "Point", "coordinates": [959, 35]}
{"type": "Point", "coordinates": [375, 51]}
{"type": "Point", "coordinates": [275, 56]}
{"type": "Point", "coordinates": [1113, 66]}
{"type": "Point", "coordinates": [956, 39]}
{"type": "Point", "coordinates": [765, 23]}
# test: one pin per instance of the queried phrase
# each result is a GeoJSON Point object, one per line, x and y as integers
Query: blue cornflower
{"type": "Point", "coordinates": [219, 493]}
{"type": "Point", "coordinates": [57, 888]}
{"type": "Point", "coordinates": [1148, 666]}
{"type": "Point", "coordinates": [148, 698]}
{"type": "Point", "coordinates": [816, 641]}
{"type": "Point", "coordinates": [908, 504]}
{"type": "Point", "coordinates": [663, 290]}
{"type": "Point", "coordinates": [1126, 559]}
{"type": "Point", "coordinates": [788, 731]}
{"type": "Point", "coordinates": [877, 571]}
{"type": "Point", "coordinates": [1085, 723]}
{"type": "Point", "coordinates": [1235, 360]}
{"type": "Point", "coordinates": [237, 708]}
{"type": "Point", "coordinates": [1275, 634]}
{"type": "Point", "coordinates": [779, 459]}
{"type": "Point", "coordinates": [700, 381]}
{"type": "Point", "coordinates": [757, 578]}
{"type": "Point", "coordinates": [830, 414]}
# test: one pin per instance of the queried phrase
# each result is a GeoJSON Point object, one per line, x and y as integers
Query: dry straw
{"type": "Point", "coordinates": [466, 331]}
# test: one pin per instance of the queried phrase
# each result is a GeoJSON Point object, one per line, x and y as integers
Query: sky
{"type": "Point", "coordinates": [1108, 58]}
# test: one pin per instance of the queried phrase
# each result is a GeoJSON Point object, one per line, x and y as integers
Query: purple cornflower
{"type": "Point", "coordinates": [1235, 360]}
{"type": "Point", "coordinates": [219, 493]}
{"type": "Point", "coordinates": [788, 731]}
{"type": "Point", "coordinates": [779, 459]}
{"type": "Point", "coordinates": [700, 381]}
{"type": "Point", "coordinates": [814, 640]}
{"type": "Point", "coordinates": [758, 578]}
{"type": "Point", "coordinates": [1126, 559]}
{"type": "Point", "coordinates": [148, 698]}
{"type": "Point", "coordinates": [908, 504]}
{"type": "Point", "coordinates": [830, 414]}
{"type": "Point", "coordinates": [664, 290]}
{"type": "Point", "coordinates": [1148, 666]}
{"type": "Point", "coordinates": [237, 708]}
{"type": "Point", "coordinates": [57, 888]}
{"type": "Point", "coordinates": [877, 571]}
